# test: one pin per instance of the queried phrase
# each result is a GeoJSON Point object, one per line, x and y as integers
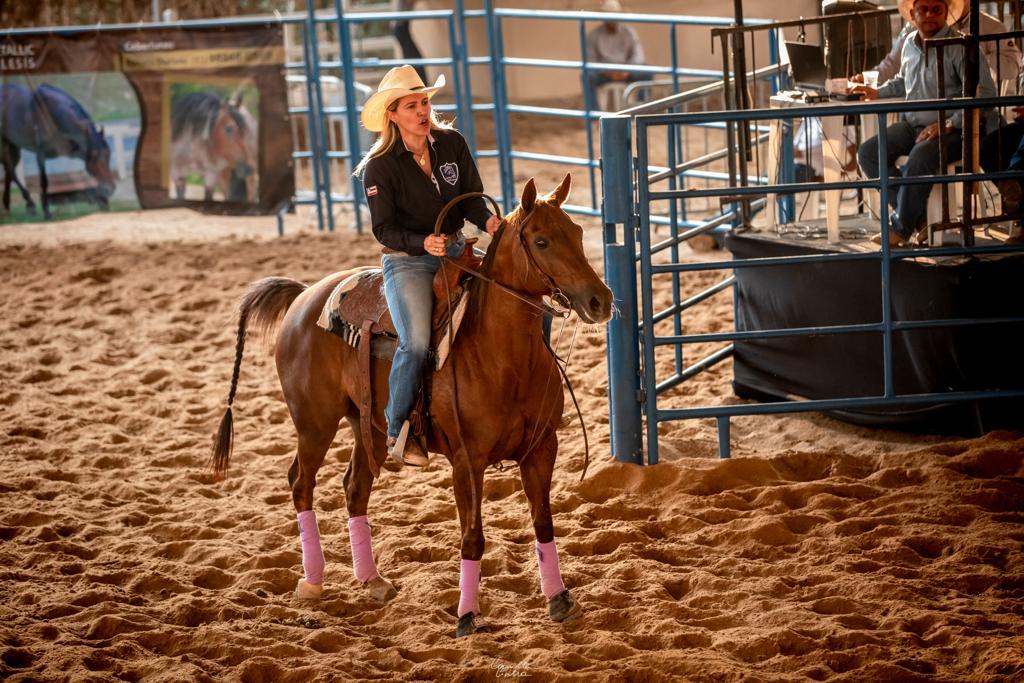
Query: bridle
{"type": "Point", "coordinates": [555, 293]}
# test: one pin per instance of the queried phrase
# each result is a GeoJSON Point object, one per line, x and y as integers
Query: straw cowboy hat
{"type": "Point", "coordinates": [396, 84]}
{"type": "Point", "coordinates": [611, 6]}
{"type": "Point", "coordinates": [955, 9]}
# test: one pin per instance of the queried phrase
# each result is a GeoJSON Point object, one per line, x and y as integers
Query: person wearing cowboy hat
{"type": "Point", "coordinates": [917, 134]}
{"type": "Point", "coordinates": [1002, 55]}
{"type": "Point", "coordinates": [416, 165]}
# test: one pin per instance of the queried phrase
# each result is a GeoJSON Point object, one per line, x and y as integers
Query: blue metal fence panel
{"type": "Point", "coordinates": [622, 369]}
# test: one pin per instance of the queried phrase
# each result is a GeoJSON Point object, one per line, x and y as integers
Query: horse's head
{"type": "Point", "coordinates": [97, 163]}
{"type": "Point", "coordinates": [553, 243]}
{"type": "Point", "coordinates": [233, 142]}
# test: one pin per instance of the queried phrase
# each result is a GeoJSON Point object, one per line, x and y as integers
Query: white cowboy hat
{"type": "Point", "coordinates": [396, 84]}
{"type": "Point", "coordinates": [955, 8]}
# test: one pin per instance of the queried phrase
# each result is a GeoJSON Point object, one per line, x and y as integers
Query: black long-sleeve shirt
{"type": "Point", "coordinates": [404, 202]}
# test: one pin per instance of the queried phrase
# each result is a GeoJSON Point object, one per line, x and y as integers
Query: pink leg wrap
{"type": "Point", "coordinates": [362, 550]}
{"type": "Point", "coordinates": [550, 575]}
{"type": "Point", "coordinates": [469, 587]}
{"type": "Point", "coordinates": [312, 554]}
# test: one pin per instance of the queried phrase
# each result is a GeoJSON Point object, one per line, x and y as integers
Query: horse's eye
{"type": "Point", "coordinates": [230, 130]}
{"type": "Point", "coordinates": [541, 243]}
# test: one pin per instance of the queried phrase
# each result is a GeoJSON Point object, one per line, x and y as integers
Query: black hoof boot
{"type": "Point", "coordinates": [469, 624]}
{"type": "Point", "coordinates": [563, 607]}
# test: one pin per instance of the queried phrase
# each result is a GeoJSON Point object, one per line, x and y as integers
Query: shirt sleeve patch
{"type": "Point", "coordinates": [371, 191]}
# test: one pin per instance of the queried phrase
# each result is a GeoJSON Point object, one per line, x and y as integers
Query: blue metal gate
{"type": "Point", "coordinates": [636, 391]}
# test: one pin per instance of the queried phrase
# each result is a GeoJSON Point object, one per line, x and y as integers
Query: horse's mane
{"type": "Point", "coordinates": [477, 289]}
{"type": "Point", "coordinates": [196, 112]}
{"type": "Point", "coordinates": [71, 119]}
{"type": "Point", "coordinates": [50, 92]}
{"type": "Point", "coordinates": [236, 114]}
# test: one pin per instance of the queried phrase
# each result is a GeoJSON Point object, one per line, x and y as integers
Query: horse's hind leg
{"type": "Point", "coordinates": [43, 184]}
{"type": "Point", "coordinates": [313, 445]}
{"type": "Point", "coordinates": [535, 471]}
{"type": "Point", "coordinates": [11, 159]}
{"type": "Point", "coordinates": [358, 484]}
{"type": "Point", "coordinates": [30, 206]}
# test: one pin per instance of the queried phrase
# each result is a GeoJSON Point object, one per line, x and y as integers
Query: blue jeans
{"type": "Point", "coordinates": [922, 159]}
{"type": "Point", "coordinates": [408, 288]}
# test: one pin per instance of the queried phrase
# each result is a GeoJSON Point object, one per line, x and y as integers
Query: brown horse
{"type": "Point", "coordinates": [538, 251]}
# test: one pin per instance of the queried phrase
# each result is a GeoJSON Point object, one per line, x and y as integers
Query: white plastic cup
{"type": "Point", "coordinates": [871, 78]}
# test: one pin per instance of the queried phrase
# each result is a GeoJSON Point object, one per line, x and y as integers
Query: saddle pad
{"type": "Point", "coordinates": [355, 299]}
{"type": "Point", "coordinates": [360, 297]}
{"type": "Point", "coordinates": [333, 302]}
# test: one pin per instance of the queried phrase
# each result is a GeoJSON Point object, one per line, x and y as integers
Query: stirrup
{"type": "Point", "coordinates": [405, 450]}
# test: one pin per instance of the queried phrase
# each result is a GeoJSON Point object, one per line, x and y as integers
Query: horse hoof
{"type": "Point", "coordinates": [308, 591]}
{"type": "Point", "coordinates": [563, 607]}
{"type": "Point", "coordinates": [469, 624]}
{"type": "Point", "coordinates": [381, 589]}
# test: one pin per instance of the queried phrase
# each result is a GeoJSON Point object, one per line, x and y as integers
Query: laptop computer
{"type": "Point", "coordinates": [807, 63]}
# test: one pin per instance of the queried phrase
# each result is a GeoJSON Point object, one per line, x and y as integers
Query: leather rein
{"type": "Point", "coordinates": [556, 295]}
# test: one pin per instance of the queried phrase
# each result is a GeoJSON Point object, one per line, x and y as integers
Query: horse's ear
{"type": "Point", "coordinates": [560, 193]}
{"type": "Point", "coordinates": [529, 195]}
{"type": "Point", "coordinates": [236, 100]}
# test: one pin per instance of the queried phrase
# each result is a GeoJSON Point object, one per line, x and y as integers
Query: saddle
{"type": "Point", "coordinates": [357, 311]}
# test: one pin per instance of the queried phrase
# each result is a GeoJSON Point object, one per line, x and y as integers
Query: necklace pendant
{"type": "Point", "coordinates": [423, 160]}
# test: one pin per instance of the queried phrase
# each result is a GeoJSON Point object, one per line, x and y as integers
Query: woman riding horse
{"type": "Point", "coordinates": [497, 398]}
{"type": "Point", "coordinates": [413, 169]}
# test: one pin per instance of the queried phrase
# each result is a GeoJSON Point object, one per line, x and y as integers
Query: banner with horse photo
{"type": "Point", "coordinates": [144, 118]}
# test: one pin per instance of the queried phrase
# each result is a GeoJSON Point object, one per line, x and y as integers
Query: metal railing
{"type": "Point", "coordinates": [591, 162]}
{"type": "Point", "coordinates": [635, 386]}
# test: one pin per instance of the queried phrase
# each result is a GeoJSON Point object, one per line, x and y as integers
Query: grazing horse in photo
{"type": "Point", "coordinates": [50, 123]}
{"type": "Point", "coordinates": [497, 397]}
{"type": "Point", "coordinates": [215, 138]}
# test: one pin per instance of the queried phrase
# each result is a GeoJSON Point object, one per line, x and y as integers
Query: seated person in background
{"type": "Point", "coordinates": [1003, 150]}
{"type": "Point", "coordinates": [917, 133]}
{"type": "Point", "coordinates": [1002, 56]}
{"type": "Point", "coordinates": [612, 43]}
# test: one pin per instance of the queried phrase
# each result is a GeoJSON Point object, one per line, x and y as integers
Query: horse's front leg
{"type": "Point", "coordinates": [535, 471]}
{"type": "Point", "coordinates": [43, 183]}
{"type": "Point", "coordinates": [468, 484]}
{"type": "Point", "coordinates": [358, 484]}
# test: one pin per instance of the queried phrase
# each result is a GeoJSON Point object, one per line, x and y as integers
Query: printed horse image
{"type": "Point", "coordinates": [497, 397]}
{"type": "Point", "coordinates": [215, 138]}
{"type": "Point", "coordinates": [50, 123]}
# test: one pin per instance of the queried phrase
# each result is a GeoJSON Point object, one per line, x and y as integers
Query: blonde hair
{"type": "Point", "coordinates": [390, 136]}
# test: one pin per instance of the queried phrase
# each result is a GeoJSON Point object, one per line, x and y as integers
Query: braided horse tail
{"type": "Point", "coordinates": [264, 305]}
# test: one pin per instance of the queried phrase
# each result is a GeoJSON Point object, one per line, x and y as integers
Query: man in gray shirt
{"type": "Point", "coordinates": [916, 135]}
{"type": "Point", "coordinates": [612, 43]}
{"type": "Point", "coordinates": [1002, 56]}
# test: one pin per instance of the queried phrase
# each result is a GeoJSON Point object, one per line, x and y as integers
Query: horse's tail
{"type": "Point", "coordinates": [264, 305]}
